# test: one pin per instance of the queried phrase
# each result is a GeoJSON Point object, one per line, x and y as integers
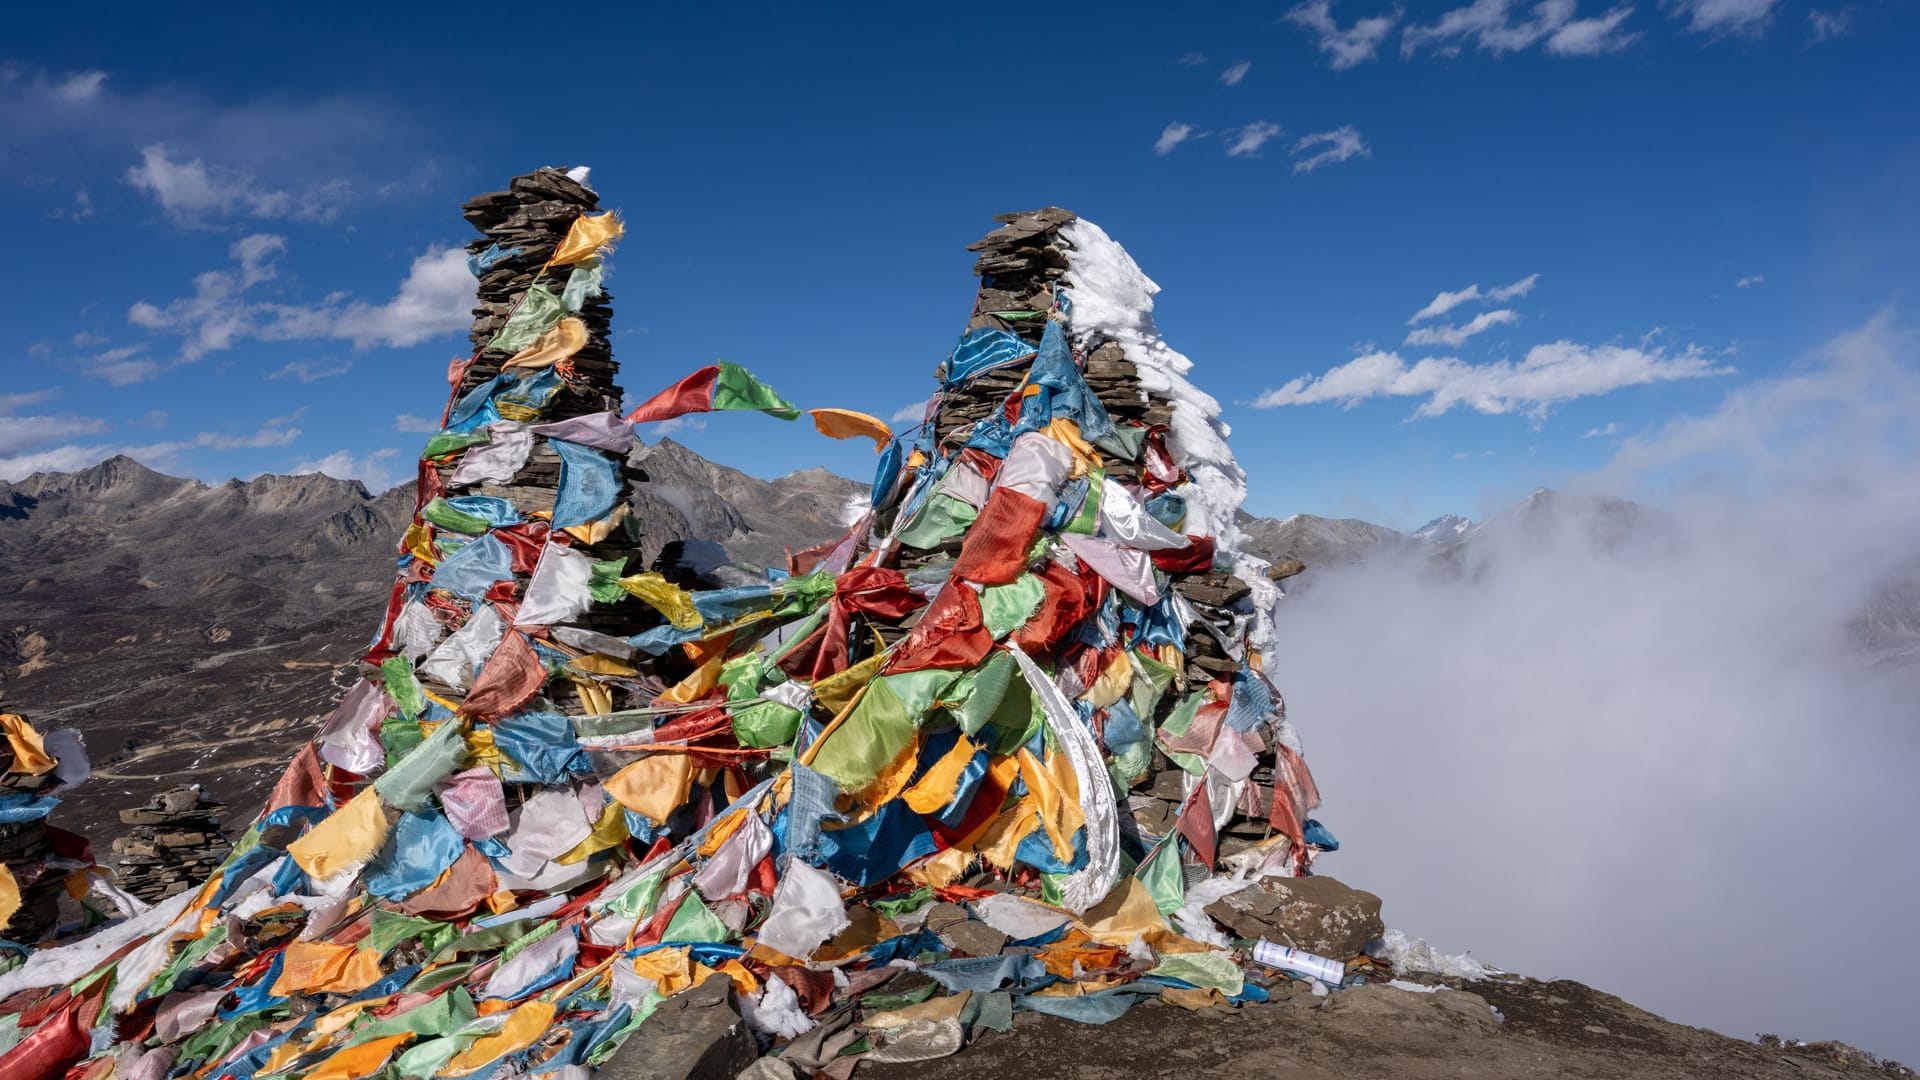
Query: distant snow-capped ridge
{"type": "Point", "coordinates": [1443, 529]}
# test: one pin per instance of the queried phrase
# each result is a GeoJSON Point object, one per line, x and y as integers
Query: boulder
{"type": "Point", "coordinates": [694, 1035]}
{"type": "Point", "coordinates": [1317, 914]}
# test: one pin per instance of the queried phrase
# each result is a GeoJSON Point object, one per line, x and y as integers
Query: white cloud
{"type": "Point", "coordinates": [1346, 48]}
{"type": "Point", "coordinates": [1550, 374]}
{"type": "Point", "coordinates": [415, 425]}
{"type": "Point", "coordinates": [22, 433]}
{"type": "Point", "coordinates": [1192, 59]}
{"type": "Point", "coordinates": [82, 207]}
{"type": "Point", "coordinates": [374, 469]}
{"type": "Point", "coordinates": [1492, 26]}
{"type": "Point", "coordinates": [1445, 302]}
{"type": "Point", "coordinates": [910, 413]}
{"type": "Point", "coordinates": [1237, 72]}
{"type": "Point", "coordinates": [1602, 432]}
{"type": "Point", "coordinates": [1827, 25]}
{"type": "Point", "coordinates": [123, 366]}
{"type": "Point", "coordinates": [436, 298]}
{"type": "Point", "coordinates": [80, 87]}
{"type": "Point", "coordinates": [1249, 138]}
{"type": "Point", "coordinates": [1451, 336]}
{"type": "Point", "coordinates": [1174, 134]}
{"type": "Point", "coordinates": [1592, 37]}
{"type": "Point", "coordinates": [1725, 18]}
{"type": "Point", "coordinates": [1703, 665]}
{"type": "Point", "coordinates": [1461, 455]}
{"type": "Point", "coordinates": [679, 425]}
{"type": "Point", "coordinates": [1505, 293]}
{"type": "Point", "coordinates": [309, 371]}
{"type": "Point", "coordinates": [206, 161]}
{"type": "Point", "coordinates": [1340, 144]}
{"type": "Point", "coordinates": [1750, 281]}
{"type": "Point", "coordinates": [25, 440]}
{"type": "Point", "coordinates": [193, 192]}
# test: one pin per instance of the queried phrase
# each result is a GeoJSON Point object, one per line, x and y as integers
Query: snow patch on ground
{"type": "Point", "coordinates": [1411, 955]}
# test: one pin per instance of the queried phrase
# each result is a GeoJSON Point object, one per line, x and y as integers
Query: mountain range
{"type": "Point", "coordinates": [195, 631]}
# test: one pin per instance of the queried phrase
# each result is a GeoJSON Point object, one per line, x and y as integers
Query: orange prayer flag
{"type": "Point", "coordinates": [847, 424]}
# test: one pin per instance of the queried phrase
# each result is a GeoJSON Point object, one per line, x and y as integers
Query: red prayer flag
{"type": "Point", "coordinates": [690, 395]}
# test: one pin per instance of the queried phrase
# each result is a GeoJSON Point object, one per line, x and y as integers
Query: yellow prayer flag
{"type": "Point", "coordinates": [563, 339]}
{"type": "Point", "coordinates": [524, 1027]}
{"type": "Point", "coordinates": [654, 786]}
{"type": "Point", "coordinates": [29, 756]}
{"type": "Point", "coordinates": [589, 234]}
{"type": "Point", "coordinates": [347, 838]}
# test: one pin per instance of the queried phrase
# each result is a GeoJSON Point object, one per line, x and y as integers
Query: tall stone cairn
{"type": "Point", "coordinates": [1019, 264]}
{"type": "Point", "coordinates": [533, 216]}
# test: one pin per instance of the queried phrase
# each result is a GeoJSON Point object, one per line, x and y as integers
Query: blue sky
{"type": "Point", "coordinates": [231, 233]}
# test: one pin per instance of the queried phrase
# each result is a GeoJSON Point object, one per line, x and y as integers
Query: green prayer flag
{"type": "Point", "coordinates": [442, 513]}
{"type": "Point", "coordinates": [1207, 970]}
{"type": "Point", "coordinates": [403, 687]}
{"type": "Point", "coordinates": [1164, 878]}
{"type": "Point", "coordinates": [941, 519]}
{"type": "Point", "coordinates": [693, 921]}
{"type": "Point", "coordinates": [446, 442]}
{"type": "Point", "coordinates": [1006, 608]}
{"type": "Point", "coordinates": [736, 388]}
{"type": "Point", "coordinates": [895, 907]}
{"type": "Point", "coordinates": [535, 316]}
{"type": "Point", "coordinates": [868, 740]}
{"type": "Point", "coordinates": [407, 784]}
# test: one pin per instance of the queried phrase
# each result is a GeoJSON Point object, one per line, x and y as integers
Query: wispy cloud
{"type": "Point", "coordinates": [1347, 47]}
{"type": "Point", "coordinates": [415, 425]}
{"type": "Point", "coordinates": [1499, 26]}
{"type": "Point", "coordinates": [910, 413]}
{"type": "Point", "coordinates": [1236, 72]}
{"type": "Point", "coordinates": [123, 366]}
{"type": "Point", "coordinates": [194, 193]}
{"type": "Point", "coordinates": [310, 371]}
{"type": "Point", "coordinates": [1445, 302]}
{"type": "Point", "coordinates": [1328, 148]}
{"type": "Point", "coordinates": [1550, 374]}
{"type": "Point", "coordinates": [20, 433]}
{"type": "Point", "coordinates": [1452, 336]}
{"type": "Point", "coordinates": [1750, 281]}
{"type": "Point", "coordinates": [1725, 18]}
{"type": "Point", "coordinates": [1827, 25]}
{"type": "Point", "coordinates": [1171, 137]}
{"type": "Point", "coordinates": [207, 161]}
{"type": "Point", "coordinates": [1249, 138]}
{"type": "Point", "coordinates": [435, 298]}
{"type": "Point", "coordinates": [1192, 59]}
{"type": "Point", "coordinates": [1610, 430]}
{"type": "Point", "coordinates": [1504, 293]}
{"type": "Point", "coordinates": [377, 470]}
{"type": "Point", "coordinates": [1592, 37]}
{"type": "Point", "coordinates": [27, 442]}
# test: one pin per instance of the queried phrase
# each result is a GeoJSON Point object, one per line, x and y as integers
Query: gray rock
{"type": "Point", "coordinates": [1317, 914]}
{"type": "Point", "coordinates": [696, 1035]}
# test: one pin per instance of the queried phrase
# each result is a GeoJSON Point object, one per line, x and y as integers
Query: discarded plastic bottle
{"type": "Point", "coordinates": [1296, 962]}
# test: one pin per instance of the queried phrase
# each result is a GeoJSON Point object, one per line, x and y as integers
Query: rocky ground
{"type": "Point", "coordinates": [1517, 1028]}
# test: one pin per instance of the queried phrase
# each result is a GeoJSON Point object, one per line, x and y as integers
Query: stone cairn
{"type": "Point", "coordinates": [1018, 265]}
{"type": "Point", "coordinates": [528, 221]}
{"type": "Point", "coordinates": [174, 843]}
